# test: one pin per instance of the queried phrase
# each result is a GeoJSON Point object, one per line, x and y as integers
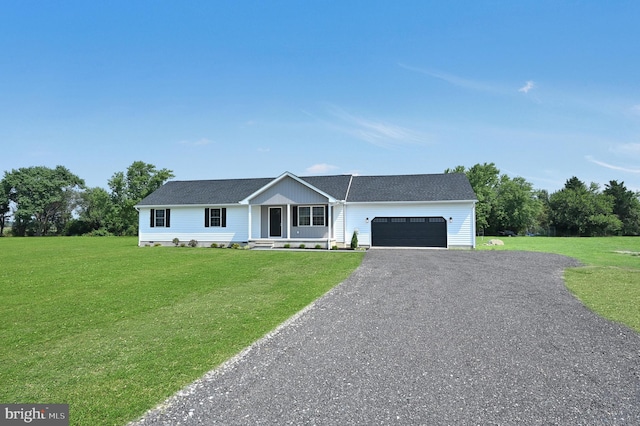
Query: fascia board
{"type": "Point", "coordinates": [171, 206]}
{"type": "Point", "coordinates": [414, 202]}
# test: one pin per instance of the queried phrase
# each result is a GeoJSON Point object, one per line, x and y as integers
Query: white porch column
{"type": "Point", "coordinates": [330, 216]}
{"type": "Point", "coordinates": [249, 206]}
{"type": "Point", "coordinates": [289, 220]}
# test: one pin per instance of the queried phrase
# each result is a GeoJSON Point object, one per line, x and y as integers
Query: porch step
{"type": "Point", "coordinates": [262, 245]}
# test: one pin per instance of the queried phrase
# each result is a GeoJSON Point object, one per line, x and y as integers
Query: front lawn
{"type": "Point", "coordinates": [609, 284]}
{"type": "Point", "coordinates": [113, 329]}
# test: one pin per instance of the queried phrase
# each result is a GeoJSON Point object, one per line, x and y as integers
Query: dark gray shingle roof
{"type": "Point", "coordinates": [204, 192]}
{"type": "Point", "coordinates": [436, 187]}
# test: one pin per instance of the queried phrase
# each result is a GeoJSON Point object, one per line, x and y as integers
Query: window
{"type": "Point", "coordinates": [311, 216]}
{"type": "Point", "coordinates": [160, 218]}
{"type": "Point", "coordinates": [215, 217]}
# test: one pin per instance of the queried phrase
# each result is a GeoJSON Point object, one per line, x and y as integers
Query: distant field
{"type": "Point", "coordinates": [113, 329]}
{"type": "Point", "coordinates": [610, 282]}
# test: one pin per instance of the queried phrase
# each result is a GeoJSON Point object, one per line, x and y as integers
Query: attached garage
{"type": "Point", "coordinates": [409, 232]}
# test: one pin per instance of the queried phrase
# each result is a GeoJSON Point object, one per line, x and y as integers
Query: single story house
{"type": "Point", "coordinates": [425, 210]}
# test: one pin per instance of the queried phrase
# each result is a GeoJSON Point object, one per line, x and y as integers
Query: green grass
{"type": "Point", "coordinates": [113, 329]}
{"type": "Point", "coordinates": [609, 284]}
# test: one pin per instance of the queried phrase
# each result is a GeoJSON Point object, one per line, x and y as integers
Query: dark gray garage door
{"type": "Point", "coordinates": [409, 232]}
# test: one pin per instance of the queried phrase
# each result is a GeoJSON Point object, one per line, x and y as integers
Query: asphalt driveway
{"type": "Point", "coordinates": [430, 337]}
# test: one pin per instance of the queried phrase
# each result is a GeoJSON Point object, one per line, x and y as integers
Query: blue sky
{"type": "Point", "coordinates": [546, 90]}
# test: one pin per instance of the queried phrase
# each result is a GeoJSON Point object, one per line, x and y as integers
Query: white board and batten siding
{"type": "Point", "coordinates": [459, 217]}
{"type": "Point", "coordinates": [187, 223]}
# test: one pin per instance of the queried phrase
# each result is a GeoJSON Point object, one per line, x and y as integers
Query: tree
{"type": "Point", "coordinates": [516, 206]}
{"type": "Point", "coordinates": [626, 206]}
{"type": "Point", "coordinates": [43, 198]}
{"type": "Point", "coordinates": [584, 211]}
{"type": "Point", "coordinates": [484, 179]}
{"type": "Point", "coordinates": [95, 214]}
{"type": "Point", "coordinates": [127, 189]}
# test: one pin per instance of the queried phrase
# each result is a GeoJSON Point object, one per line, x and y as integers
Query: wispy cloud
{"type": "Point", "coordinates": [627, 149]}
{"type": "Point", "coordinates": [321, 168]}
{"type": "Point", "coordinates": [376, 132]}
{"type": "Point", "coordinates": [199, 142]}
{"type": "Point", "coordinates": [527, 86]}
{"type": "Point", "coordinates": [454, 79]}
{"type": "Point", "coordinates": [611, 166]}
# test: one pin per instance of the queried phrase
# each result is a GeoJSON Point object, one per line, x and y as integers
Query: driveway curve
{"type": "Point", "coordinates": [430, 337]}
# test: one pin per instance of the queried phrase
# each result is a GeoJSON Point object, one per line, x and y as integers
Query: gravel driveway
{"type": "Point", "coordinates": [430, 337]}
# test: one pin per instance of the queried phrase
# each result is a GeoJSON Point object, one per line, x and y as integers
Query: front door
{"type": "Point", "coordinates": [275, 222]}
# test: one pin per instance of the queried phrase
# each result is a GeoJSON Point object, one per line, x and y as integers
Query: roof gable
{"type": "Point", "coordinates": [285, 177]}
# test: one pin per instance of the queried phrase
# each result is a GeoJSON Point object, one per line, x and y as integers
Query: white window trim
{"type": "Point", "coordinates": [156, 218]}
{"type": "Point", "coordinates": [311, 216]}
{"type": "Point", "coordinates": [211, 217]}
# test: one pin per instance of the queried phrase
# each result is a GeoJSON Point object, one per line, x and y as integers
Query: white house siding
{"type": "Point", "coordinates": [187, 223]}
{"type": "Point", "coordinates": [459, 230]}
{"type": "Point", "coordinates": [337, 225]}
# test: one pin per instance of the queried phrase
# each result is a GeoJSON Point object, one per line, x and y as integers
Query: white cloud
{"type": "Point", "coordinates": [321, 168]}
{"type": "Point", "coordinates": [377, 132]}
{"type": "Point", "coordinates": [627, 149]}
{"type": "Point", "coordinates": [611, 166]}
{"type": "Point", "coordinates": [528, 86]}
{"type": "Point", "coordinates": [454, 79]}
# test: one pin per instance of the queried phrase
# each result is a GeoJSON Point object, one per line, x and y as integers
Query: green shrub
{"type": "Point", "coordinates": [318, 246]}
{"type": "Point", "coordinates": [176, 242]}
{"type": "Point", "coordinates": [334, 247]}
{"type": "Point", "coordinates": [183, 245]}
{"type": "Point", "coordinates": [302, 246]}
{"type": "Point", "coordinates": [354, 240]}
{"type": "Point", "coordinates": [287, 245]}
{"type": "Point", "coordinates": [193, 243]}
{"type": "Point", "coordinates": [157, 245]}
{"type": "Point", "coordinates": [235, 246]}
{"type": "Point", "coordinates": [214, 245]}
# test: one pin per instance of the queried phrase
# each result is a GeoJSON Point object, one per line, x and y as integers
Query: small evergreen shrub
{"type": "Point", "coordinates": [235, 246]}
{"type": "Point", "coordinates": [214, 245]}
{"type": "Point", "coordinates": [318, 246]}
{"type": "Point", "coordinates": [302, 246]}
{"type": "Point", "coordinates": [193, 243]}
{"type": "Point", "coordinates": [183, 245]}
{"type": "Point", "coordinates": [176, 242]}
{"type": "Point", "coordinates": [354, 240]}
{"type": "Point", "coordinates": [334, 247]}
{"type": "Point", "coordinates": [287, 245]}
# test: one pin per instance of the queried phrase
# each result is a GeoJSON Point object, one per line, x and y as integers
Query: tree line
{"type": "Point", "coordinates": [513, 205]}
{"type": "Point", "coordinates": [46, 201]}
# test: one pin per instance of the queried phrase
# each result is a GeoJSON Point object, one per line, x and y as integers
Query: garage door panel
{"type": "Point", "coordinates": [409, 232]}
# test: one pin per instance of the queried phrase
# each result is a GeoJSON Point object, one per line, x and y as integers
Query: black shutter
{"type": "Point", "coordinates": [223, 219]}
{"type": "Point", "coordinates": [326, 215]}
{"type": "Point", "coordinates": [153, 218]}
{"type": "Point", "coordinates": [295, 216]}
{"type": "Point", "coordinates": [207, 222]}
{"type": "Point", "coordinates": [167, 218]}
